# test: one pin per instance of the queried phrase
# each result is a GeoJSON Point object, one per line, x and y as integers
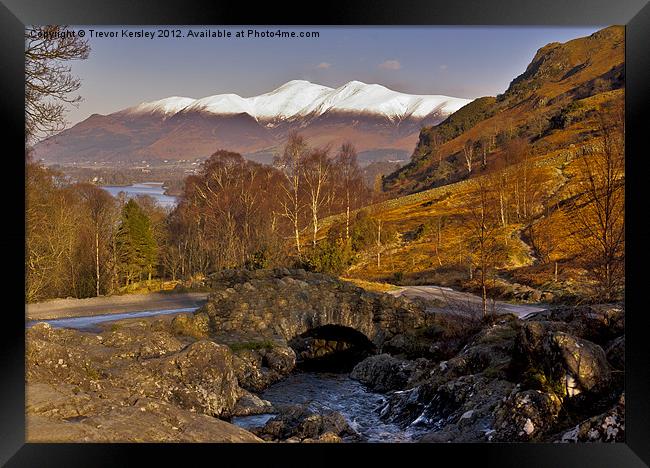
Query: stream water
{"type": "Point", "coordinates": [338, 392]}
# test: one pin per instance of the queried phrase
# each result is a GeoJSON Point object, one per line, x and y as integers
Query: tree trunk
{"type": "Point", "coordinates": [347, 216]}
{"type": "Point", "coordinates": [379, 245]}
{"type": "Point", "coordinates": [484, 291]}
{"type": "Point", "coordinates": [297, 234]}
{"type": "Point", "coordinates": [501, 208]}
{"type": "Point", "coordinates": [295, 215]}
{"type": "Point", "coordinates": [315, 223]}
{"type": "Point", "coordinates": [97, 258]}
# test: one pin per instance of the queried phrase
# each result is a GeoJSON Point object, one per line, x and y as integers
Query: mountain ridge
{"type": "Point", "coordinates": [371, 116]}
{"type": "Point", "coordinates": [300, 98]}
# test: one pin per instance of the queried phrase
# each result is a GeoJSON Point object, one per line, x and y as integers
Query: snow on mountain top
{"type": "Point", "coordinates": [288, 100]}
{"type": "Point", "coordinates": [222, 104]}
{"type": "Point", "coordinates": [170, 105]}
{"type": "Point", "coordinates": [300, 98]}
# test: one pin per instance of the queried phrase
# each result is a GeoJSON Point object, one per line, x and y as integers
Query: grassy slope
{"type": "Point", "coordinates": [417, 261]}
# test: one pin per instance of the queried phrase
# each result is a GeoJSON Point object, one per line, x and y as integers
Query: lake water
{"type": "Point", "coordinates": [153, 189]}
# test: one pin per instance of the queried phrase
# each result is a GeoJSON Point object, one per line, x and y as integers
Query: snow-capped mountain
{"type": "Point", "coordinates": [370, 116]}
{"type": "Point", "coordinates": [299, 98]}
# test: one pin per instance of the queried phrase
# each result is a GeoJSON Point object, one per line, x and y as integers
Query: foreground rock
{"type": "Point", "coordinates": [607, 427]}
{"type": "Point", "coordinates": [132, 383]}
{"type": "Point", "coordinates": [299, 424]}
{"type": "Point", "coordinates": [52, 416]}
{"type": "Point", "coordinates": [382, 373]}
{"type": "Point", "coordinates": [448, 378]}
{"type": "Point", "coordinates": [257, 369]}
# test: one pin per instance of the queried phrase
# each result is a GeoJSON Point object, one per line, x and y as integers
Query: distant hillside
{"type": "Point", "coordinates": [381, 123]}
{"type": "Point", "coordinates": [543, 108]}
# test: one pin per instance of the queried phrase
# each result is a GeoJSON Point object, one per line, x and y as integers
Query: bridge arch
{"type": "Point", "coordinates": [331, 347]}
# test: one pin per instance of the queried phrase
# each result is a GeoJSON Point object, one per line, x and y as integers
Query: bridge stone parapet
{"type": "Point", "coordinates": [283, 304]}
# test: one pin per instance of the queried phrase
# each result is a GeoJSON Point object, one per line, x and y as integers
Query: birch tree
{"type": "Point", "coordinates": [317, 170]}
{"type": "Point", "coordinates": [346, 163]}
{"type": "Point", "coordinates": [291, 164]}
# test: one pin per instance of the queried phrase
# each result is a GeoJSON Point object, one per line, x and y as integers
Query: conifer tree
{"type": "Point", "coordinates": [136, 246]}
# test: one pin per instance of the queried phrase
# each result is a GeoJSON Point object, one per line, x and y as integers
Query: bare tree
{"type": "Point", "coordinates": [101, 208]}
{"type": "Point", "coordinates": [346, 162]}
{"type": "Point", "coordinates": [49, 83]}
{"type": "Point", "coordinates": [483, 229]}
{"type": "Point", "coordinates": [598, 209]}
{"type": "Point", "coordinates": [484, 147]}
{"type": "Point", "coordinates": [290, 163]}
{"type": "Point", "coordinates": [439, 223]}
{"type": "Point", "coordinates": [317, 170]}
{"type": "Point", "coordinates": [379, 222]}
{"type": "Point", "coordinates": [468, 152]}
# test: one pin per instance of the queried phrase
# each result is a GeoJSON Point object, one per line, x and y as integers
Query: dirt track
{"type": "Point", "coordinates": [466, 300]}
{"type": "Point", "coordinates": [60, 308]}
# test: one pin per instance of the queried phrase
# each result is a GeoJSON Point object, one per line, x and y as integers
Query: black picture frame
{"type": "Point", "coordinates": [634, 14]}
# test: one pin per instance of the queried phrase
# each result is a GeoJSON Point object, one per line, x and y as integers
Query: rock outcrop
{"type": "Point", "coordinates": [567, 364]}
{"type": "Point", "coordinates": [510, 380]}
{"type": "Point", "coordinates": [256, 369]}
{"type": "Point", "coordinates": [136, 382]}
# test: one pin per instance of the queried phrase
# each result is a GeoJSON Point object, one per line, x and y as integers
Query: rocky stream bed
{"type": "Point", "coordinates": [255, 364]}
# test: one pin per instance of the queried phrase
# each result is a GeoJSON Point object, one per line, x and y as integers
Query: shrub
{"type": "Point", "coordinates": [250, 345]}
{"type": "Point", "coordinates": [258, 260]}
{"type": "Point", "coordinates": [332, 257]}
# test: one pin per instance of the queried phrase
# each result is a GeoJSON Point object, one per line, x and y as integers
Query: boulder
{"type": "Point", "coordinates": [250, 404]}
{"type": "Point", "coordinates": [382, 373]}
{"type": "Point", "coordinates": [616, 353]}
{"type": "Point", "coordinates": [560, 362]}
{"type": "Point", "coordinates": [193, 325]}
{"type": "Point", "coordinates": [599, 323]}
{"type": "Point", "coordinates": [145, 421]}
{"type": "Point", "coordinates": [279, 358]}
{"type": "Point", "coordinates": [525, 416]}
{"type": "Point", "coordinates": [580, 363]}
{"type": "Point", "coordinates": [256, 369]}
{"type": "Point", "coordinates": [200, 378]}
{"type": "Point", "coordinates": [606, 427]}
{"type": "Point", "coordinates": [300, 423]}
{"type": "Point", "coordinates": [135, 382]}
{"type": "Point", "coordinates": [248, 369]}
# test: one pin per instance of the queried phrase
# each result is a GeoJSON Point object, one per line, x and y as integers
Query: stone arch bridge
{"type": "Point", "coordinates": [283, 304]}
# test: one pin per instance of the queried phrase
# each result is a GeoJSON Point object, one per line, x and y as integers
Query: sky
{"type": "Point", "coordinates": [466, 62]}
